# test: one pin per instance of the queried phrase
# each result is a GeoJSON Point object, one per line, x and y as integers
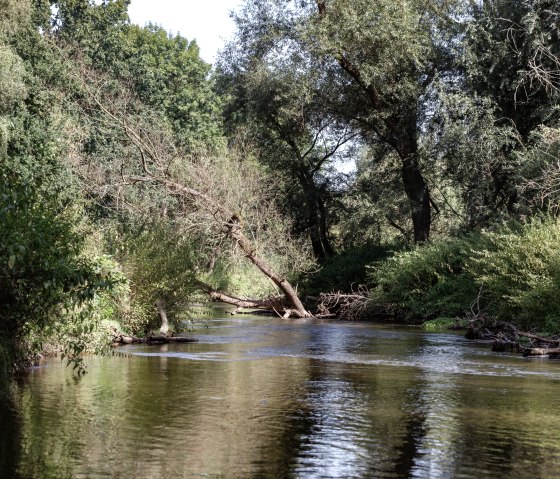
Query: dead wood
{"type": "Point", "coordinates": [273, 304]}
{"type": "Point", "coordinates": [348, 306]}
{"type": "Point", "coordinates": [552, 340]}
{"type": "Point", "coordinates": [502, 346]}
{"type": "Point", "coordinates": [506, 337]}
{"type": "Point", "coordinates": [551, 352]}
{"type": "Point", "coordinates": [121, 339]}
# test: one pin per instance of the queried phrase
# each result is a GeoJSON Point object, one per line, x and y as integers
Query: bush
{"type": "Point", "coordinates": [346, 271]}
{"type": "Point", "coordinates": [518, 269]}
{"type": "Point", "coordinates": [47, 282]}
{"type": "Point", "coordinates": [427, 282]}
{"type": "Point", "coordinates": [514, 271]}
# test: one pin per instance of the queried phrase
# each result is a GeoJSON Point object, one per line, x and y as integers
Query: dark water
{"type": "Point", "coordinates": [273, 398]}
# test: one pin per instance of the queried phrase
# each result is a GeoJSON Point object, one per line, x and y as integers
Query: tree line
{"type": "Point", "coordinates": [333, 142]}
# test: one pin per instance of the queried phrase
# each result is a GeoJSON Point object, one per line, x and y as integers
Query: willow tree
{"type": "Point", "coordinates": [380, 59]}
{"type": "Point", "coordinates": [511, 63]}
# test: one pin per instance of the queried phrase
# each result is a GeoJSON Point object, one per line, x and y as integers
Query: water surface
{"type": "Point", "coordinates": [261, 397]}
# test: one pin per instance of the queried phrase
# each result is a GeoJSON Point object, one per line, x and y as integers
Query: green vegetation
{"type": "Point", "coordinates": [511, 273]}
{"type": "Point", "coordinates": [406, 147]}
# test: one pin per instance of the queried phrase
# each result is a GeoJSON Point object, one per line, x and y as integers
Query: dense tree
{"type": "Point", "coordinates": [46, 274]}
{"type": "Point", "coordinates": [282, 108]}
{"type": "Point", "coordinates": [165, 71]}
{"type": "Point", "coordinates": [380, 60]}
{"type": "Point", "coordinates": [510, 72]}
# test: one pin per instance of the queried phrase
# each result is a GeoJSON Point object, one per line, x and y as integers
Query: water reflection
{"type": "Point", "coordinates": [273, 398]}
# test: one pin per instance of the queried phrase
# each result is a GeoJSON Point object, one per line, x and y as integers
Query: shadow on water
{"type": "Point", "coordinates": [9, 440]}
{"type": "Point", "coordinates": [272, 398]}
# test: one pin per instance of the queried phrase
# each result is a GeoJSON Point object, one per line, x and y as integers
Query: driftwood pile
{"type": "Point", "coordinates": [507, 337]}
{"type": "Point", "coordinates": [349, 306]}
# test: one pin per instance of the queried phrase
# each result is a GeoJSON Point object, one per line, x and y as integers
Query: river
{"type": "Point", "coordinates": [261, 397]}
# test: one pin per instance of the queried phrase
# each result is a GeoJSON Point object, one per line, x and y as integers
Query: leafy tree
{"type": "Point", "coordinates": [511, 64]}
{"type": "Point", "coordinates": [164, 71]}
{"type": "Point", "coordinates": [281, 107]}
{"type": "Point", "coordinates": [168, 74]}
{"type": "Point", "coordinates": [47, 281]}
{"type": "Point", "coordinates": [380, 59]}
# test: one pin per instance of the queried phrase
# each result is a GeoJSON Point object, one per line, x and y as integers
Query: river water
{"type": "Point", "coordinates": [260, 397]}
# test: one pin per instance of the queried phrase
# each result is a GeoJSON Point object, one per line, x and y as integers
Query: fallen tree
{"type": "Point", "coordinates": [121, 339]}
{"type": "Point", "coordinates": [151, 157]}
{"type": "Point", "coordinates": [507, 337]}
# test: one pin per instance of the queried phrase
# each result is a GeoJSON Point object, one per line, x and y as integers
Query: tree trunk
{"type": "Point", "coordinates": [323, 227]}
{"type": "Point", "coordinates": [541, 352]}
{"type": "Point", "coordinates": [291, 296]}
{"type": "Point", "coordinates": [415, 187]}
{"type": "Point", "coordinates": [400, 132]}
{"type": "Point", "coordinates": [418, 196]}
{"type": "Point", "coordinates": [316, 216]}
{"type": "Point", "coordinates": [155, 158]}
{"type": "Point", "coordinates": [164, 330]}
{"type": "Point", "coordinates": [274, 303]}
{"type": "Point", "coordinates": [232, 224]}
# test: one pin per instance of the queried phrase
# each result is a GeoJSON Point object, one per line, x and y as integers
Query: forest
{"type": "Point", "coordinates": [392, 160]}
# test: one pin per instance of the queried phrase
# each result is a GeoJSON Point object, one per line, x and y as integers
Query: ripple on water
{"type": "Point", "coordinates": [277, 399]}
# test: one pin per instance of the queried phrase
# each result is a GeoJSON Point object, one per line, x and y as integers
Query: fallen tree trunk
{"type": "Point", "coordinates": [551, 352]}
{"type": "Point", "coordinates": [506, 338]}
{"type": "Point", "coordinates": [533, 337]}
{"type": "Point", "coordinates": [126, 339]}
{"type": "Point", "coordinates": [232, 227]}
{"type": "Point", "coordinates": [275, 304]}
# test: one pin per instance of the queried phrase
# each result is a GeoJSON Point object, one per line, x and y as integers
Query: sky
{"type": "Point", "coordinates": [207, 21]}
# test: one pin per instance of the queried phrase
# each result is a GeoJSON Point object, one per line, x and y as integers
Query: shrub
{"type": "Point", "coordinates": [346, 271]}
{"type": "Point", "coordinates": [426, 282]}
{"type": "Point", "coordinates": [514, 271]}
{"type": "Point", "coordinates": [518, 268]}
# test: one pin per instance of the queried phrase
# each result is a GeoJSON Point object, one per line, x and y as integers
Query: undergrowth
{"type": "Point", "coordinates": [512, 273]}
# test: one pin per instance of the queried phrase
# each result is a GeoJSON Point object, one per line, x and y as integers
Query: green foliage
{"type": "Point", "coordinates": [346, 271]}
{"type": "Point", "coordinates": [12, 73]}
{"type": "Point", "coordinates": [511, 56]}
{"type": "Point", "coordinates": [93, 29]}
{"type": "Point", "coordinates": [519, 271]}
{"type": "Point", "coordinates": [46, 282]}
{"type": "Point", "coordinates": [439, 324]}
{"type": "Point", "coordinates": [426, 282]}
{"type": "Point", "coordinates": [15, 15]}
{"type": "Point", "coordinates": [541, 170]}
{"type": "Point", "coordinates": [169, 75]}
{"type": "Point", "coordinates": [511, 273]}
{"type": "Point", "coordinates": [476, 180]}
{"type": "Point", "coordinates": [159, 260]}
{"type": "Point", "coordinates": [375, 206]}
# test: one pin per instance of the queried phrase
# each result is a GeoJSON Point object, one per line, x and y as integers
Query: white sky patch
{"type": "Point", "coordinates": [207, 21]}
